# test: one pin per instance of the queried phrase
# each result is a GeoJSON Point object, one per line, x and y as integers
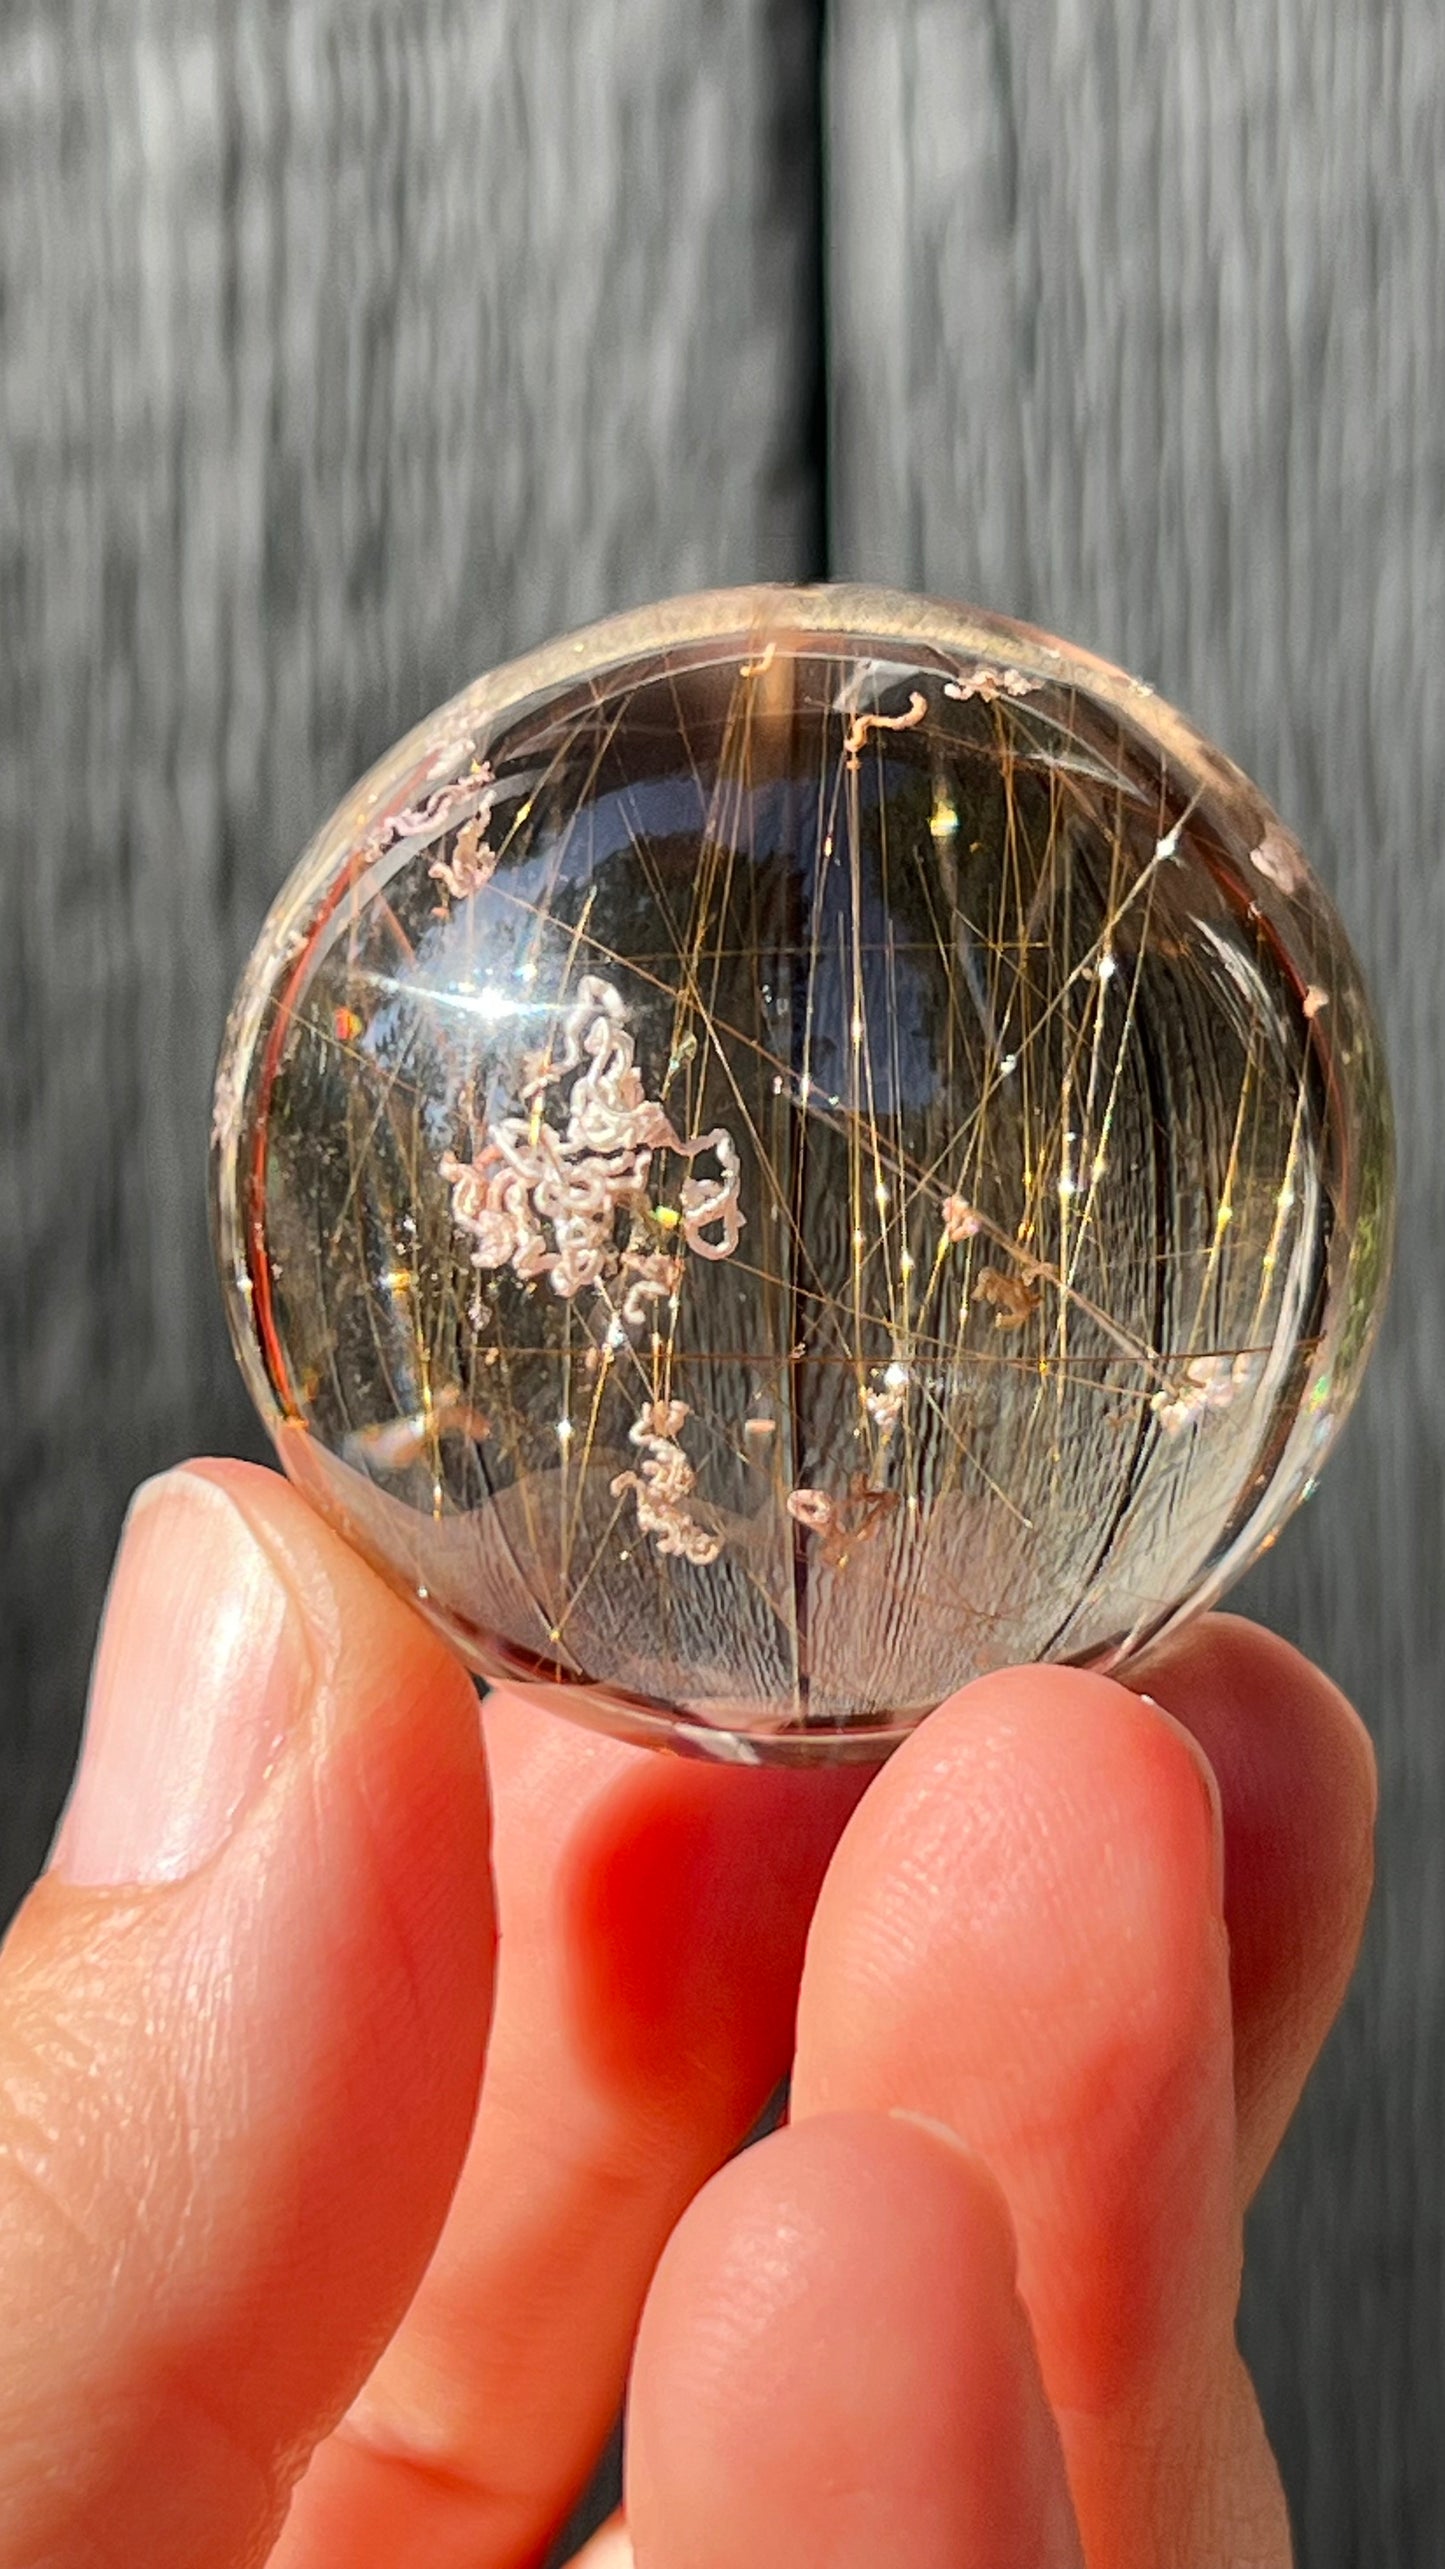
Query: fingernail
{"type": "Point", "coordinates": [201, 1672]}
{"type": "Point", "coordinates": [982, 2173]}
{"type": "Point", "coordinates": [1210, 1784]}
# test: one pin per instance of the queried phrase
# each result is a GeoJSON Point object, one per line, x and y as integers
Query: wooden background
{"type": "Point", "coordinates": [348, 346]}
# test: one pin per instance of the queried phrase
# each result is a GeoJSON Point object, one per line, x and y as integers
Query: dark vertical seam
{"type": "Point", "coordinates": [818, 384]}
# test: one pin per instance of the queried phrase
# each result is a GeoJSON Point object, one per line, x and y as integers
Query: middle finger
{"type": "Point", "coordinates": [652, 1922]}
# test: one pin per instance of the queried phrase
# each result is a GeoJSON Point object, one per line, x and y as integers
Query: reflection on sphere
{"type": "Point", "coordinates": [793, 1150]}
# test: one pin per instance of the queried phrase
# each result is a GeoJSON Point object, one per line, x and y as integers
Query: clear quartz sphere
{"type": "Point", "coordinates": [792, 1148]}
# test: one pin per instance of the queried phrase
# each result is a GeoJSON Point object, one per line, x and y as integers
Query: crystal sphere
{"type": "Point", "coordinates": [795, 1147]}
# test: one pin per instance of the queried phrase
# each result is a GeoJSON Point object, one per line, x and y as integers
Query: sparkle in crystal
{"type": "Point", "coordinates": [800, 1163]}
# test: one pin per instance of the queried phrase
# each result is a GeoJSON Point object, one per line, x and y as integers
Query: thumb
{"type": "Point", "coordinates": [241, 2030]}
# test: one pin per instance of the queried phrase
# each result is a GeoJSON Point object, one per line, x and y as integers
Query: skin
{"type": "Point", "coordinates": [332, 2223]}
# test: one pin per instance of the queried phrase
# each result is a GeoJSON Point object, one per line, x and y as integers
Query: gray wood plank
{"type": "Point", "coordinates": [1137, 330]}
{"type": "Point", "coordinates": [347, 348]}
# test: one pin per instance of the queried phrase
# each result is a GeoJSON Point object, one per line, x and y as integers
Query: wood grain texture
{"type": "Point", "coordinates": [1138, 330]}
{"type": "Point", "coordinates": [347, 348]}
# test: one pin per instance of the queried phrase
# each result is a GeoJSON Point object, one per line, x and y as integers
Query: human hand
{"type": "Point", "coordinates": [975, 2304]}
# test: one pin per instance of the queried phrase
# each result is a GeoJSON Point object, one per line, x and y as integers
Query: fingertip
{"type": "Point", "coordinates": [1021, 1935]}
{"type": "Point", "coordinates": [992, 2214]}
{"type": "Point", "coordinates": [1299, 1793]}
{"type": "Point", "coordinates": [394, 1722]}
{"type": "Point", "coordinates": [1047, 1821]}
{"type": "Point", "coordinates": [1193, 1748]}
{"type": "Point", "coordinates": [834, 2363]}
{"type": "Point", "coordinates": [346, 1603]}
{"type": "Point", "coordinates": [1254, 1701]}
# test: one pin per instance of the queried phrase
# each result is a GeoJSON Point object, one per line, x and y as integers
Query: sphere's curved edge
{"type": "Point", "coordinates": [441, 760]}
{"type": "Point", "coordinates": [753, 611]}
{"type": "Point", "coordinates": [636, 1720]}
{"type": "Point", "coordinates": [825, 606]}
{"type": "Point", "coordinates": [636, 1727]}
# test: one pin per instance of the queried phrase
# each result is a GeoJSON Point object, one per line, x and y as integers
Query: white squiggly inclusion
{"type": "Point", "coordinates": [665, 1483]}
{"type": "Point", "coordinates": [531, 1179]}
{"type": "Point", "coordinates": [544, 1200]}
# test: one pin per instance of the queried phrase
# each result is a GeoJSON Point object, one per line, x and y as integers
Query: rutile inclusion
{"type": "Point", "coordinates": [793, 1148]}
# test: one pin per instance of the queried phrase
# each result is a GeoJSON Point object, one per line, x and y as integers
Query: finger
{"type": "Point", "coordinates": [653, 1918]}
{"type": "Point", "coordinates": [610, 2548]}
{"type": "Point", "coordinates": [1296, 1777]}
{"type": "Point", "coordinates": [834, 2366]}
{"type": "Point", "coordinates": [241, 2030]}
{"type": "Point", "coordinates": [1022, 1935]}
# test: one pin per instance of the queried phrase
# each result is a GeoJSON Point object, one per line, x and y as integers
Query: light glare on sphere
{"type": "Point", "coordinates": [793, 1148]}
